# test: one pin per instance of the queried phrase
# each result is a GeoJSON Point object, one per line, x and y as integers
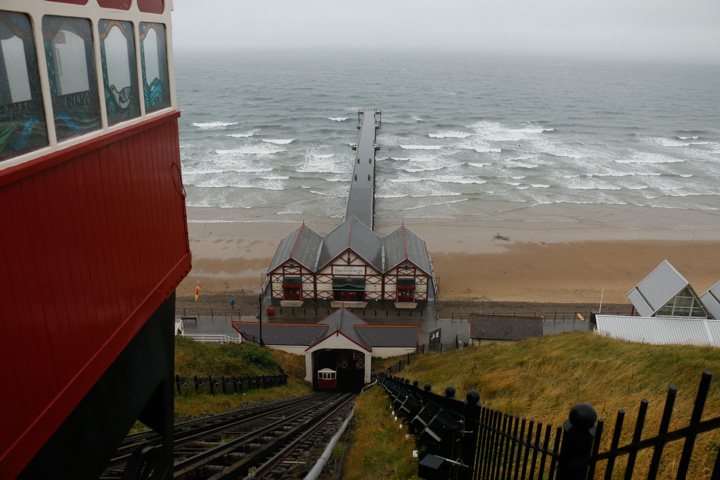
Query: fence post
{"type": "Point", "coordinates": [577, 441]}
{"type": "Point", "coordinates": [470, 434]}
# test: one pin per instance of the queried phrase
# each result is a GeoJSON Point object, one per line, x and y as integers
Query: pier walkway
{"type": "Point", "coordinates": [361, 201]}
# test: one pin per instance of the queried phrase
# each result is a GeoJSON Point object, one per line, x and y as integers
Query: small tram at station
{"type": "Point", "coordinates": [327, 379]}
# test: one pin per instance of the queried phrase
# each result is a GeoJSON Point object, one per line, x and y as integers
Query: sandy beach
{"type": "Point", "coordinates": [561, 262]}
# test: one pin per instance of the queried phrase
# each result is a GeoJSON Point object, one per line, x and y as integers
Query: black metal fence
{"type": "Point", "coordinates": [464, 440]}
{"type": "Point", "coordinates": [226, 385]}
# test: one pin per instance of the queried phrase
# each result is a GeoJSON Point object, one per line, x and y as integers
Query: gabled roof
{"type": "Point", "coordinates": [280, 333]}
{"type": "Point", "coordinates": [301, 245]}
{"type": "Point", "coordinates": [711, 300]}
{"type": "Point", "coordinates": [390, 335]}
{"type": "Point", "coordinates": [660, 330]}
{"type": "Point", "coordinates": [658, 288]}
{"type": "Point", "coordinates": [401, 245]}
{"type": "Point", "coordinates": [505, 327]}
{"type": "Point", "coordinates": [343, 322]}
{"type": "Point", "coordinates": [355, 235]}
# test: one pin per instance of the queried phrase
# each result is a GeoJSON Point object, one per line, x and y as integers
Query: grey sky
{"type": "Point", "coordinates": [637, 28]}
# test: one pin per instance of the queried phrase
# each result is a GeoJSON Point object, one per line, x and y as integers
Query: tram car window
{"type": "Point", "coordinates": [71, 71]}
{"type": "Point", "coordinates": [154, 66]}
{"type": "Point", "coordinates": [117, 50]}
{"type": "Point", "coordinates": [22, 117]}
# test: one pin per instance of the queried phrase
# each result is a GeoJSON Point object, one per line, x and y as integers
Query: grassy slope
{"type": "Point", "coordinates": [543, 378]}
{"type": "Point", "coordinates": [380, 448]}
{"type": "Point", "coordinates": [195, 358]}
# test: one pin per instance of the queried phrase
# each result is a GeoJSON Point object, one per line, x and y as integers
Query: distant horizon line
{"type": "Point", "coordinates": [457, 52]}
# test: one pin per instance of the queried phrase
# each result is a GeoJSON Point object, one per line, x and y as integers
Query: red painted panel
{"type": "Point", "coordinates": [151, 6]}
{"type": "Point", "coordinates": [73, 250]}
{"type": "Point", "coordinates": [117, 4]}
{"type": "Point", "coordinates": [95, 242]}
{"type": "Point", "coordinates": [11, 403]}
{"type": "Point", "coordinates": [72, 2]}
{"type": "Point", "coordinates": [47, 271]}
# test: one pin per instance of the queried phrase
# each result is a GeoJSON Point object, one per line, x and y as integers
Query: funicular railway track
{"type": "Point", "coordinates": [223, 447]}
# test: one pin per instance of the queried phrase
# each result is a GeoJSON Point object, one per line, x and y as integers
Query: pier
{"type": "Point", "coordinates": [361, 201]}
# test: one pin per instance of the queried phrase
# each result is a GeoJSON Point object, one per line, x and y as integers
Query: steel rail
{"type": "Point", "coordinates": [203, 458]}
{"type": "Point", "coordinates": [186, 432]}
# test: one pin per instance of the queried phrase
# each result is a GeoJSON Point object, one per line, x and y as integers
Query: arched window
{"type": "Point", "coordinates": [156, 87]}
{"type": "Point", "coordinates": [117, 49]}
{"type": "Point", "coordinates": [22, 117]}
{"type": "Point", "coordinates": [72, 75]}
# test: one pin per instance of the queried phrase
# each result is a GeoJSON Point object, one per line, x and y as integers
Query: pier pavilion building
{"type": "Point", "coordinates": [351, 267]}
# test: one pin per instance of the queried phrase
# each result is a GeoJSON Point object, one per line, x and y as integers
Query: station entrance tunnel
{"type": "Point", "coordinates": [349, 365]}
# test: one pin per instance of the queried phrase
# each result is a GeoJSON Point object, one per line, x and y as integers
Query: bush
{"type": "Point", "coordinates": [253, 354]}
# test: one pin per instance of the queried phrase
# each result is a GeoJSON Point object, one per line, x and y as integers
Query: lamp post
{"type": "Point", "coordinates": [260, 296]}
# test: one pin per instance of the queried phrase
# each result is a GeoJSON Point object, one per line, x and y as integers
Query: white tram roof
{"type": "Point", "coordinates": [326, 370]}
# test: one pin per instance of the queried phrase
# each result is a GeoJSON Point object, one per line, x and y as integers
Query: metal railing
{"type": "Point", "coordinates": [465, 440]}
{"type": "Point", "coordinates": [213, 338]}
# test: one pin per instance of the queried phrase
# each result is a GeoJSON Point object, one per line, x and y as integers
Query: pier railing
{"type": "Point", "coordinates": [465, 440]}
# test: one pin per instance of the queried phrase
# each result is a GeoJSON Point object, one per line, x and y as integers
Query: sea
{"type": "Point", "coordinates": [266, 136]}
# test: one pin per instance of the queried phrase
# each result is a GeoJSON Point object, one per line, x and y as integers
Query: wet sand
{"type": "Point", "coordinates": [559, 262]}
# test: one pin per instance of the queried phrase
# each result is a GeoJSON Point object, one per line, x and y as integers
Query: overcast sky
{"type": "Point", "coordinates": [657, 29]}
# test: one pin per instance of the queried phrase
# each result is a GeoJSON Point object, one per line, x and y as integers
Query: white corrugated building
{"type": "Point", "coordinates": [660, 330]}
{"type": "Point", "coordinates": [670, 312]}
{"type": "Point", "coordinates": [711, 301]}
{"type": "Point", "coordinates": [666, 293]}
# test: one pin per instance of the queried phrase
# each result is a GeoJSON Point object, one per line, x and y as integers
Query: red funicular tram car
{"type": "Point", "coordinates": [93, 236]}
{"type": "Point", "coordinates": [326, 379]}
